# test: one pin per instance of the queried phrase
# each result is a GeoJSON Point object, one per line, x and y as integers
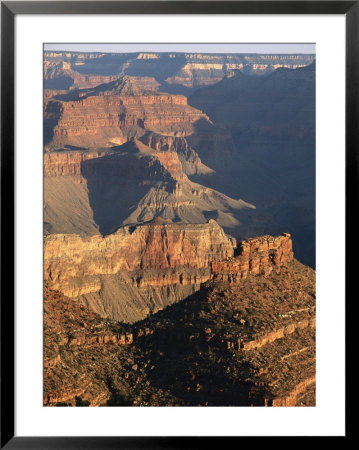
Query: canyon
{"type": "Point", "coordinates": [141, 269]}
{"type": "Point", "coordinates": [119, 155]}
{"type": "Point", "coordinates": [272, 125]}
{"type": "Point", "coordinates": [76, 70]}
{"type": "Point", "coordinates": [96, 192]}
{"type": "Point", "coordinates": [169, 180]}
{"type": "Point", "coordinates": [112, 112]}
{"type": "Point", "coordinates": [248, 137]}
{"type": "Point", "coordinates": [246, 340]}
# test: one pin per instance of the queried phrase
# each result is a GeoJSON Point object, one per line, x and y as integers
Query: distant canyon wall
{"type": "Point", "coordinates": [190, 70]}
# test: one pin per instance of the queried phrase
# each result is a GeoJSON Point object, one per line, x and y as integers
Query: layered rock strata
{"type": "Point", "coordinates": [256, 256]}
{"type": "Point", "coordinates": [191, 163]}
{"type": "Point", "coordinates": [140, 269]}
{"type": "Point", "coordinates": [189, 70]}
{"type": "Point", "coordinates": [257, 334]}
{"type": "Point", "coordinates": [66, 163]}
{"type": "Point", "coordinates": [249, 342]}
{"type": "Point", "coordinates": [113, 111]}
{"type": "Point", "coordinates": [148, 246]}
{"type": "Point", "coordinates": [130, 152]}
{"type": "Point", "coordinates": [91, 192]}
{"type": "Point", "coordinates": [151, 265]}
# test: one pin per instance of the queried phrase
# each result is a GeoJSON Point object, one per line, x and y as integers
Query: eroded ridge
{"type": "Point", "coordinates": [259, 255]}
{"type": "Point", "coordinates": [236, 341]}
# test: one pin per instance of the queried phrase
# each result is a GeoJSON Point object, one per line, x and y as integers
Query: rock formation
{"type": "Point", "coordinates": [116, 146]}
{"type": "Point", "coordinates": [66, 163]}
{"type": "Point", "coordinates": [143, 212]}
{"type": "Point", "coordinates": [272, 122]}
{"type": "Point", "coordinates": [238, 342]}
{"type": "Point", "coordinates": [187, 70]}
{"type": "Point", "coordinates": [112, 111]}
{"type": "Point", "coordinates": [256, 256]}
{"type": "Point", "coordinates": [146, 260]}
{"type": "Point", "coordinates": [140, 269]}
{"type": "Point", "coordinates": [96, 192]}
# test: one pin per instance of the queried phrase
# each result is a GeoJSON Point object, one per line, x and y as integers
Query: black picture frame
{"type": "Point", "coordinates": [8, 12]}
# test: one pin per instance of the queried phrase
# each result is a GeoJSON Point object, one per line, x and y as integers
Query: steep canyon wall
{"type": "Point", "coordinates": [142, 268]}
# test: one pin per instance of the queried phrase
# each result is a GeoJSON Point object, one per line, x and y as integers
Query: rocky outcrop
{"type": "Point", "coordinates": [174, 154]}
{"type": "Point", "coordinates": [117, 339]}
{"type": "Point", "coordinates": [88, 192]}
{"type": "Point", "coordinates": [109, 112]}
{"type": "Point", "coordinates": [276, 334]}
{"type": "Point", "coordinates": [255, 256]}
{"type": "Point", "coordinates": [82, 81]}
{"type": "Point", "coordinates": [154, 265]}
{"type": "Point", "coordinates": [292, 398]}
{"type": "Point", "coordinates": [149, 246]}
{"type": "Point", "coordinates": [191, 163]}
{"type": "Point", "coordinates": [177, 356]}
{"type": "Point", "coordinates": [66, 163]}
{"type": "Point", "coordinates": [244, 343]}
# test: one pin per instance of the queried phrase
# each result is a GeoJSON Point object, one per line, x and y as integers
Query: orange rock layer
{"type": "Point", "coordinates": [60, 164]}
{"type": "Point", "coordinates": [157, 255]}
{"type": "Point", "coordinates": [291, 398]}
{"type": "Point", "coordinates": [274, 335]}
{"type": "Point", "coordinates": [154, 246]}
{"type": "Point", "coordinates": [256, 256]}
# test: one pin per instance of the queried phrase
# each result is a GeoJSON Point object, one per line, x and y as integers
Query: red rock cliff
{"type": "Point", "coordinates": [156, 246]}
{"type": "Point", "coordinates": [106, 118]}
{"type": "Point", "coordinates": [143, 268]}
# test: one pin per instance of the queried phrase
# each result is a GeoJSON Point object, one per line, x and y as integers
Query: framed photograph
{"type": "Point", "coordinates": [175, 185]}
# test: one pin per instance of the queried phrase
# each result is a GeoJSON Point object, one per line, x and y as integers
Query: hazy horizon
{"type": "Point", "coordinates": [252, 48]}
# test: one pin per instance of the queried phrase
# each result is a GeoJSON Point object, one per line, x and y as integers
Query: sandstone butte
{"type": "Point", "coordinates": [246, 337]}
{"type": "Point", "coordinates": [146, 261]}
